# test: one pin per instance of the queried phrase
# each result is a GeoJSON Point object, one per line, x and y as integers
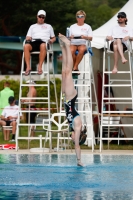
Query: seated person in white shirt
{"type": "Point", "coordinates": [119, 35]}
{"type": "Point", "coordinates": [36, 38]}
{"type": "Point", "coordinates": [9, 117]}
{"type": "Point", "coordinates": [79, 33]}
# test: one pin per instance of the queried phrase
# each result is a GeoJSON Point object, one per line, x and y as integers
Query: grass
{"type": "Point", "coordinates": [23, 144]}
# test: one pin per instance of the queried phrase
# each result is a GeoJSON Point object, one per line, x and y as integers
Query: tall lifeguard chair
{"type": "Point", "coordinates": [122, 84]}
{"type": "Point", "coordinates": [44, 101]}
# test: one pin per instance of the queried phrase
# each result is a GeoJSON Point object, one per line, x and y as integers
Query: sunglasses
{"type": "Point", "coordinates": [80, 16]}
{"type": "Point", "coordinates": [120, 16]}
{"type": "Point", "coordinates": [41, 17]}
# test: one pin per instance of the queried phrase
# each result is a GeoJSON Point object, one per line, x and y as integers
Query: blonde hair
{"type": "Point", "coordinates": [80, 12]}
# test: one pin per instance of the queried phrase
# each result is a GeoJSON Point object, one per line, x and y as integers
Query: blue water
{"type": "Point", "coordinates": [34, 177]}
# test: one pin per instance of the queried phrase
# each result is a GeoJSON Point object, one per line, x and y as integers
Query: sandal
{"type": "Point", "coordinates": [39, 72]}
{"type": "Point", "coordinates": [27, 72]}
{"type": "Point", "coordinates": [76, 70]}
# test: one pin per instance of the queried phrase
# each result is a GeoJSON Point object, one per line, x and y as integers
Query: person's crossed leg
{"type": "Point", "coordinates": [118, 52]}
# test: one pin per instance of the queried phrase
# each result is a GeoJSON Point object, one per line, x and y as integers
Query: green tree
{"type": "Point", "coordinates": [97, 12]}
{"type": "Point", "coordinates": [117, 4]}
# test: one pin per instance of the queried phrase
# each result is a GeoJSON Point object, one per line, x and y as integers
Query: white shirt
{"type": "Point", "coordinates": [11, 111]}
{"type": "Point", "coordinates": [77, 30]}
{"type": "Point", "coordinates": [118, 31]}
{"type": "Point", "coordinates": [41, 31]}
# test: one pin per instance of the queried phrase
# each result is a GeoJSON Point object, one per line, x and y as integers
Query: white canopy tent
{"type": "Point", "coordinates": [100, 33]}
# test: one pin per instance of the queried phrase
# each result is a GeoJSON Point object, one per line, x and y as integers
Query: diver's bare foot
{"type": "Point", "coordinates": [61, 42]}
{"type": "Point", "coordinates": [64, 39]}
{"type": "Point", "coordinates": [79, 163]}
{"type": "Point", "coordinates": [124, 61]}
{"type": "Point", "coordinates": [114, 71]}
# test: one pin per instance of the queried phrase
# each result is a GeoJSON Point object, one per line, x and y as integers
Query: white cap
{"type": "Point", "coordinates": [41, 12]}
{"type": "Point", "coordinates": [30, 81]}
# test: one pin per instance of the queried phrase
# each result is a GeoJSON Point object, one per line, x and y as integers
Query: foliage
{"type": "Point", "coordinates": [116, 4]}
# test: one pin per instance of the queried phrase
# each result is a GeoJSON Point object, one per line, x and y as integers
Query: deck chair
{"type": "Point", "coordinates": [8, 128]}
{"type": "Point", "coordinates": [60, 127]}
{"type": "Point", "coordinates": [112, 129]}
{"type": "Point", "coordinates": [2, 128]}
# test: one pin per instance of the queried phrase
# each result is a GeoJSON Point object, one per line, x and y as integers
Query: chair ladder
{"type": "Point", "coordinates": [44, 101]}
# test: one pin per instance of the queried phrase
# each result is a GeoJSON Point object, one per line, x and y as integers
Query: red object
{"type": "Point", "coordinates": [7, 146]}
{"type": "Point", "coordinates": [95, 120]}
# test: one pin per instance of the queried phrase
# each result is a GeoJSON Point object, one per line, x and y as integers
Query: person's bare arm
{"type": "Point", "coordinates": [109, 38]}
{"type": "Point", "coordinates": [86, 37]}
{"type": "Point", "coordinates": [28, 38]}
{"type": "Point", "coordinates": [71, 37]}
{"type": "Point", "coordinates": [11, 118]}
{"type": "Point", "coordinates": [3, 118]}
{"type": "Point", "coordinates": [52, 40]}
{"type": "Point", "coordinates": [126, 38]}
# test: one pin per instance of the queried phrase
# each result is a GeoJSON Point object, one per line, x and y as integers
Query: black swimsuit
{"type": "Point", "coordinates": [71, 112]}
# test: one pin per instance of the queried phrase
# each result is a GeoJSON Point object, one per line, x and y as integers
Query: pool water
{"type": "Point", "coordinates": [56, 177]}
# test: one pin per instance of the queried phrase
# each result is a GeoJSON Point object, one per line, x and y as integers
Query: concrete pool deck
{"type": "Point", "coordinates": [104, 152]}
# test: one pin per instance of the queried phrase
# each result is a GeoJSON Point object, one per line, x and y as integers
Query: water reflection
{"type": "Point", "coordinates": [21, 194]}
